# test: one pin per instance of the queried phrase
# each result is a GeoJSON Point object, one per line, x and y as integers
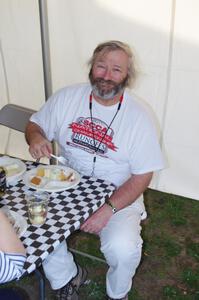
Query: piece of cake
{"type": "Point", "coordinates": [69, 177]}
{"type": "Point", "coordinates": [11, 169]}
{"type": "Point", "coordinates": [40, 172]}
{"type": "Point", "coordinates": [47, 173]}
{"type": "Point", "coordinates": [55, 174]}
{"type": "Point", "coordinates": [36, 180]}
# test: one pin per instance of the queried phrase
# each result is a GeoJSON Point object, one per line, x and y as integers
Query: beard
{"type": "Point", "coordinates": [106, 89]}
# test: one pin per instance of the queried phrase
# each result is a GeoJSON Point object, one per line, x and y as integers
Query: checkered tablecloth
{"type": "Point", "coordinates": [67, 211]}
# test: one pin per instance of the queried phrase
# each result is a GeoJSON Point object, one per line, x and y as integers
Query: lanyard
{"type": "Point", "coordinates": [94, 140]}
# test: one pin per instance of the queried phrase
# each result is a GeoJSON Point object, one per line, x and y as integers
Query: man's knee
{"type": "Point", "coordinates": [122, 247]}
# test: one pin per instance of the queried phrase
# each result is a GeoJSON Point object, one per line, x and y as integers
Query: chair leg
{"type": "Point", "coordinates": [41, 284]}
{"type": "Point", "coordinates": [87, 255]}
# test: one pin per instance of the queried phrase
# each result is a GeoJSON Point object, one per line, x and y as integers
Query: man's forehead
{"type": "Point", "coordinates": [102, 55]}
{"type": "Point", "coordinates": [120, 62]}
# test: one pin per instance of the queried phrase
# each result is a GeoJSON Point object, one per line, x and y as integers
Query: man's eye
{"type": "Point", "coordinates": [100, 67]}
{"type": "Point", "coordinates": [117, 70]}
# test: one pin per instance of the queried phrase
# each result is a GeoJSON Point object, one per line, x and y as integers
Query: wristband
{"type": "Point", "coordinates": [114, 209]}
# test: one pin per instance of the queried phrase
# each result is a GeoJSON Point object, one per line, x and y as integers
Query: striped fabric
{"type": "Point", "coordinates": [11, 266]}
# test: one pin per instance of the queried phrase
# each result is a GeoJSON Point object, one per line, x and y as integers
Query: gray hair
{"type": "Point", "coordinates": [116, 45]}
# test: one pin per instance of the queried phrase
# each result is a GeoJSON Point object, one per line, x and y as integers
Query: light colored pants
{"type": "Point", "coordinates": [121, 245]}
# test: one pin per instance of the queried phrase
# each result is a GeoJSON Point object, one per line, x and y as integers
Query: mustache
{"type": "Point", "coordinates": [101, 80]}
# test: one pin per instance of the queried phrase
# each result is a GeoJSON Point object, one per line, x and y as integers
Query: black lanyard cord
{"type": "Point", "coordinates": [104, 135]}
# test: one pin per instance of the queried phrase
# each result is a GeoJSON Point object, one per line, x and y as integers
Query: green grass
{"type": "Point", "coordinates": [169, 269]}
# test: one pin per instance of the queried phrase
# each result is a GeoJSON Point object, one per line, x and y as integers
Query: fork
{"type": "Point", "coordinates": [61, 159]}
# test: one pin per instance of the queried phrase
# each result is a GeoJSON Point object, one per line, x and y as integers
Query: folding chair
{"type": "Point", "coordinates": [16, 117]}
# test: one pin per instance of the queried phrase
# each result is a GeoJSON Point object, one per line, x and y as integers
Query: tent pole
{"type": "Point", "coordinates": [45, 45]}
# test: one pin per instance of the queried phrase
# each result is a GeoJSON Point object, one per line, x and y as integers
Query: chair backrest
{"type": "Point", "coordinates": [15, 116]}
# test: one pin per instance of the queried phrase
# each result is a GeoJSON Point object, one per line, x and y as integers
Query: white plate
{"type": "Point", "coordinates": [6, 161]}
{"type": "Point", "coordinates": [18, 222]}
{"type": "Point", "coordinates": [49, 185]}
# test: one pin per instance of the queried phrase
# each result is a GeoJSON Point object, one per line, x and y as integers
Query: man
{"type": "Point", "coordinates": [110, 136]}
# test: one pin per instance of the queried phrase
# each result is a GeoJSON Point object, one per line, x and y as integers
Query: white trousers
{"type": "Point", "coordinates": [121, 245]}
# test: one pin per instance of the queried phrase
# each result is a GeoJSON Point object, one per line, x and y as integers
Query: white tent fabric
{"type": "Point", "coordinates": [165, 39]}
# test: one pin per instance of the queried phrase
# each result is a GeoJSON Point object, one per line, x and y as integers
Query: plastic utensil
{"type": "Point", "coordinates": [61, 159]}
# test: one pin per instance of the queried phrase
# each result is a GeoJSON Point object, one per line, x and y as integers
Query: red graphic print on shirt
{"type": "Point", "coordinates": [92, 135]}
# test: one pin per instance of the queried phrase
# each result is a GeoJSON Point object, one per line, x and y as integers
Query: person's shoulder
{"type": "Point", "coordinates": [73, 89]}
{"type": "Point", "coordinates": [139, 108]}
{"type": "Point", "coordinates": [135, 103]}
{"type": "Point", "coordinates": [69, 94]}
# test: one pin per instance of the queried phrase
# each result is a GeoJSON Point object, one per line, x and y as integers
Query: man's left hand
{"type": "Point", "coordinates": [98, 220]}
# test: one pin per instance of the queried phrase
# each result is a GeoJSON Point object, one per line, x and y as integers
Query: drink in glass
{"type": "Point", "coordinates": [37, 204]}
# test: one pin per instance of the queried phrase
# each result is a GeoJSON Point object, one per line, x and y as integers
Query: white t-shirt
{"type": "Point", "coordinates": [129, 147]}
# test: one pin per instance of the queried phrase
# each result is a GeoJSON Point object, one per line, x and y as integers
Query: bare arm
{"type": "Point", "coordinates": [9, 241]}
{"type": "Point", "coordinates": [39, 146]}
{"type": "Point", "coordinates": [125, 195]}
{"type": "Point", "coordinates": [131, 190]}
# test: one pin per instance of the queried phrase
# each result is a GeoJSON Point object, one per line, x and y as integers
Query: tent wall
{"type": "Point", "coordinates": [165, 39]}
{"type": "Point", "coordinates": [21, 74]}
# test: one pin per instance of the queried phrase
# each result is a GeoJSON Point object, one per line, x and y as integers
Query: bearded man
{"type": "Point", "coordinates": [103, 132]}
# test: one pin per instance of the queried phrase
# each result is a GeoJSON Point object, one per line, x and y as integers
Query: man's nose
{"type": "Point", "coordinates": [107, 74]}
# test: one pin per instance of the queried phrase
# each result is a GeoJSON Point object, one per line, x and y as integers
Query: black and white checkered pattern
{"type": "Point", "coordinates": [67, 211]}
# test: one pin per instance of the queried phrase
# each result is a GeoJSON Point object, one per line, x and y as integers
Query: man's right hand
{"type": "Point", "coordinates": [39, 146]}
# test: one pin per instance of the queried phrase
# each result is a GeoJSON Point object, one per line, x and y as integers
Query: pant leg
{"type": "Point", "coordinates": [59, 267]}
{"type": "Point", "coordinates": [121, 245]}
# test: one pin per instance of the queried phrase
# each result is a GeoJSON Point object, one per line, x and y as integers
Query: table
{"type": "Point", "coordinates": [67, 211]}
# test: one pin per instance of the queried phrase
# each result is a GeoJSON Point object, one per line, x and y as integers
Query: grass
{"type": "Point", "coordinates": [170, 263]}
